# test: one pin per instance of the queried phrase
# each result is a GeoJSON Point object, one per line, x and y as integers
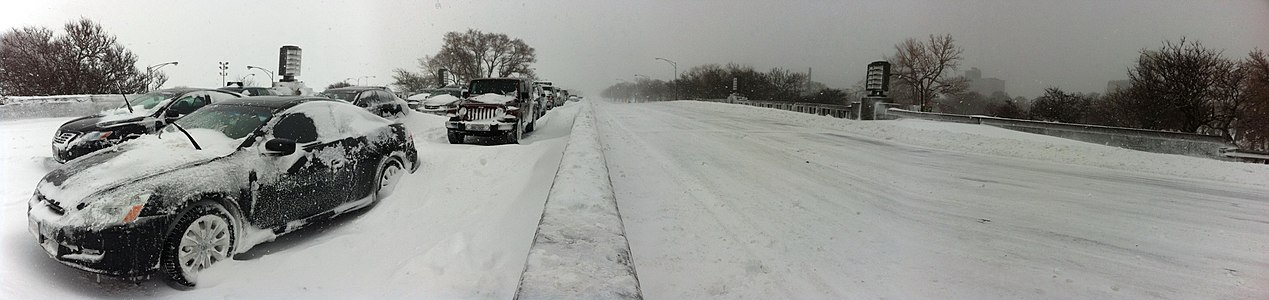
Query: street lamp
{"type": "Point", "coordinates": [367, 81]}
{"type": "Point", "coordinates": [224, 71]}
{"type": "Point", "coordinates": [149, 71]}
{"type": "Point", "coordinates": [266, 71]}
{"type": "Point", "coordinates": [675, 65]}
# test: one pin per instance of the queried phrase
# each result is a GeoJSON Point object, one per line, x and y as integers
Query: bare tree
{"type": "Point", "coordinates": [922, 69]}
{"type": "Point", "coordinates": [1181, 86]}
{"type": "Point", "coordinates": [84, 60]}
{"type": "Point", "coordinates": [475, 54]}
{"type": "Point", "coordinates": [1251, 129]}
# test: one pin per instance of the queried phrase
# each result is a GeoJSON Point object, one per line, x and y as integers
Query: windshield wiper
{"type": "Point", "coordinates": [125, 101]}
{"type": "Point", "coordinates": [191, 138]}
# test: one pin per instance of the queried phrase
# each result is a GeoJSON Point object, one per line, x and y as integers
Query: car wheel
{"type": "Point", "coordinates": [203, 236]}
{"type": "Point", "coordinates": [390, 173]}
{"type": "Point", "coordinates": [530, 127]}
{"type": "Point", "coordinates": [455, 137]}
{"type": "Point", "coordinates": [515, 136]}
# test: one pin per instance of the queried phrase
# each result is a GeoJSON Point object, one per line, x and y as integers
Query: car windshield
{"type": "Point", "coordinates": [501, 87]}
{"type": "Point", "coordinates": [235, 121]}
{"type": "Point", "coordinates": [148, 101]}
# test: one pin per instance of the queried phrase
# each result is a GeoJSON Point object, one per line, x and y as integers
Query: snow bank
{"type": "Point", "coordinates": [982, 139]}
{"type": "Point", "coordinates": [580, 250]}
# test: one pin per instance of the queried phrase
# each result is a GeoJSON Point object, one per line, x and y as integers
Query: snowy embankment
{"type": "Point", "coordinates": [580, 250]}
{"type": "Point", "coordinates": [982, 139]}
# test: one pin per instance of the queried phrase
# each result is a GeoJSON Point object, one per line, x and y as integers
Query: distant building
{"type": "Point", "coordinates": [1117, 85]}
{"type": "Point", "coordinates": [984, 86]}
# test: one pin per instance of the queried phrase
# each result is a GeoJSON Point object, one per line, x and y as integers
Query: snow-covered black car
{"type": "Point", "coordinates": [141, 115]}
{"type": "Point", "coordinates": [219, 181]}
{"type": "Point", "coordinates": [377, 99]}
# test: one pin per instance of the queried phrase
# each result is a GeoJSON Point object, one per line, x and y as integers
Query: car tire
{"type": "Point", "coordinates": [391, 170]}
{"type": "Point", "coordinates": [531, 126]}
{"type": "Point", "coordinates": [455, 137]}
{"type": "Point", "coordinates": [204, 235]}
{"type": "Point", "coordinates": [517, 134]}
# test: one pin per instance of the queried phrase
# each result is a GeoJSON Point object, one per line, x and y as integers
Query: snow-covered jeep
{"type": "Point", "coordinates": [494, 107]}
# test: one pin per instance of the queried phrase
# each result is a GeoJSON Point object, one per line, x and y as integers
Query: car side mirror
{"type": "Point", "coordinates": [466, 94]}
{"type": "Point", "coordinates": [279, 147]}
{"type": "Point", "coordinates": [172, 114]}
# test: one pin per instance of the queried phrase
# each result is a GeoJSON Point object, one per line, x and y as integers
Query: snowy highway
{"type": "Point", "coordinates": [727, 201]}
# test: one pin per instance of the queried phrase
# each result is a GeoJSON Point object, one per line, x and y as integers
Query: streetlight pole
{"type": "Point", "coordinates": [675, 65]}
{"type": "Point", "coordinates": [266, 72]}
{"type": "Point", "coordinates": [367, 77]}
{"type": "Point", "coordinates": [224, 71]}
{"type": "Point", "coordinates": [149, 71]}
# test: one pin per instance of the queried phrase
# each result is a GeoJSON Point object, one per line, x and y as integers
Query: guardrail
{"type": "Point", "coordinates": [28, 107]}
{"type": "Point", "coordinates": [1168, 142]}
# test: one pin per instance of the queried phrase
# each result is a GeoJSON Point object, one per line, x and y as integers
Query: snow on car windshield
{"type": "Point", "coordinates": [349, 96]}
{"type": "Point", "coordinates": [234, 121]}
{"type": "Point", "coordinates": [143, 105]}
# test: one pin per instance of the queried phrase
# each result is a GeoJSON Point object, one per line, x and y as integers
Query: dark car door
{"type": "Point", "coordinates": [309, 181]}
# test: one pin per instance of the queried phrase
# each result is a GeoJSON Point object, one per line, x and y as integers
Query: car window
{"type": "Point", "coordinates": [217, 96]}
{"type": "Point", "coordinates": [190, 102]}
{"type": "Point", "coordinates": [366, 98]}
{"type": "Point", "coordinates": [386, 97]}
{"type": "Point", "coordinates": [298, 127]}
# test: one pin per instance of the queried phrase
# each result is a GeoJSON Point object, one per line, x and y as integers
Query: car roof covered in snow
{"type": "Point", "coordinates": [182, 90]}
{"type": "Point", "coordinates": [274, 101]}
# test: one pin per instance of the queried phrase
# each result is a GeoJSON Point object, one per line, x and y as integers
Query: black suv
{"type": "Point", "coordinates": [377, 99]}
{"type": "Point", "coordinates": [141, 115]}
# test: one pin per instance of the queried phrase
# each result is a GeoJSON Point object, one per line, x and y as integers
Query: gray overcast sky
{"type": "Point", "coordinates": [1076, 45]}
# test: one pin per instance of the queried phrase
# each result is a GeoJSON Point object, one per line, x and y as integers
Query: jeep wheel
{"type": "Point", "coordinates": [455, 137]}
{"type": "Point", "coordinates": [515, 135]}
{"type": "Point", "coordinates": [203, 236]}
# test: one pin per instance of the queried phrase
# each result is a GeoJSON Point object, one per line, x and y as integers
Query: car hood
{"type": "Point", "coordinates": [440, 100]}
{"type": "Point", "coordinates": [97, 122]}
{"type": "Point", "coordinates": [492, 98]}
{"type": "Point", "coordinates": [147, 156]}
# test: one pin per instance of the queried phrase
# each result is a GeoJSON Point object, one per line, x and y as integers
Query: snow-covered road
{"type": "Point", "coordinates": [460, 227]}
{"type": "Point", "coordinates": [727, 201]}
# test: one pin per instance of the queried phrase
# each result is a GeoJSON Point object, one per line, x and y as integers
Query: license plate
{"type": "Point", "coordinates": [478, 127]}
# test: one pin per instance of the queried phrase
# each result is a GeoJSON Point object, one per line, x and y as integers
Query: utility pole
{"type": "Point", "coordinates": [224, 71]}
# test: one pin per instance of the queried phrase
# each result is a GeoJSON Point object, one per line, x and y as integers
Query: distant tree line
{"type": "Point", "coordinates": [84, 59]}
{"type": "Point", "coordinates": [714, 81]}
{"type": "Point", "coordinates": [1181, 86]}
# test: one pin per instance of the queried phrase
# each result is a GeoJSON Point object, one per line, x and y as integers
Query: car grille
{"type": "Point", "coordinates": [65, 137]}
{"type": "Point", "coordinates": [480, 113]}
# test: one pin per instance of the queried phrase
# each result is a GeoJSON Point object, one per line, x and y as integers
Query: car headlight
{"type": "Point", "coordinates": [500, 113]}
{"type": "Point", "coordinates": [462, 111]}
{"type": "Point", "coordinates": [125, 210]}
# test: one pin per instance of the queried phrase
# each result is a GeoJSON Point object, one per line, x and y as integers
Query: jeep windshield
{"type": "Point", "coordinates": [235, 121]}
{"type": "Point", "coordinates": [501, 87]}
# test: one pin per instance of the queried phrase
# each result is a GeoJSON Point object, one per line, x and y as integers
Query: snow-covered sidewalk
{"type": "Point", "coordinates": [729, 201]}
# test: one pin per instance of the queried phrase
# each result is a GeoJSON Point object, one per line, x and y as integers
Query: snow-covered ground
{"type": "Point", "coordinates": [730, 201]}
{"type": "Point", "coordinates": [460, 227]}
